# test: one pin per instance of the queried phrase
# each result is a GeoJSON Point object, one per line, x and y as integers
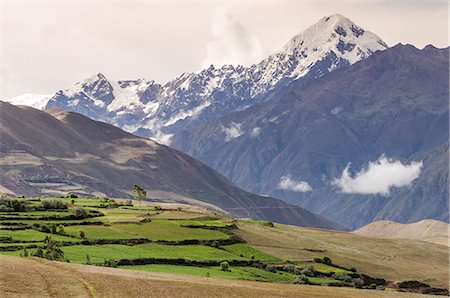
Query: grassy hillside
{"type": "Point", "coordinates": [392, 259]}
{"type": "Point", "coordinates": [429, 230]}
{"type": "Point", "coordinates": [55, 152]}
{"type": "Point", "coordinates": [184, 240]}
{"type": "Point", "coordinates": [45, 278]}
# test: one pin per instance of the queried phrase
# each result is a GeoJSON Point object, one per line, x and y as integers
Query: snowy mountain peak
{"type": "Point", "coordinates": [160, 110]}
{"type": "Point", "coordinates": [38, 101]}
{"type": "Point", "coordinates": [337, 34]}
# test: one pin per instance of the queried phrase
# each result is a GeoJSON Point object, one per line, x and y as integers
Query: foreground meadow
{"type": "Point", "coordinates": [169, 239]}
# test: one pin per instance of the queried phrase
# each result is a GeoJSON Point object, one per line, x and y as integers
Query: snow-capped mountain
{"type": "Point", "coordinates": [38, 101]}
{"type": "Point", "coordinates": [156, 110]}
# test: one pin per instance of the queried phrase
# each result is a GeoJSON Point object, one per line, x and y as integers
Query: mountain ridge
{"type": "Point", "coordinates": [57, 152]}
{"type": "Point", "coordinates": [315, 128]}
{"type": "Point", "coordinates": [157, 110]}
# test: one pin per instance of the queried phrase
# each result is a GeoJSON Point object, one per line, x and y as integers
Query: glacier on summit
{"type": "Point", "coordinates": [155, 110]}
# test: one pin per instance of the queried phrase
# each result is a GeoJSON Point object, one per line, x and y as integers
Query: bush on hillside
{"type": "Point", "coordinates": [301, 279]}
{"type": "Point", "coordinates": [224, 266]}
{"type": "Point", "coordinates": [53, 205]}
{"type": "Point", "coordinates": [80, 212]}
{"type": "Point", "coordinates": [309, 271]}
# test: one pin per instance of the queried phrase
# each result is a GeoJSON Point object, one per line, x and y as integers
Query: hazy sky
{"type": "Point", "coordinates": [50, 45]}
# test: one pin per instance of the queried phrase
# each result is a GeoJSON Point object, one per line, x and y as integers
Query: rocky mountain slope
{"type": "Point", "coordinates": [155, 110]}
{"type": "Point", "coordinates": [427, 230]}
{"type": "Point", "coordinates": [388, 110]}
{"type": "Point", "coordinates": [55, 152]}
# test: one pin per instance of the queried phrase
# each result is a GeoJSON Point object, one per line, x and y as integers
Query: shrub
{"type": "Point", "coordinates": [25, 252]}
{"type": "Point", "coordinates": [353, 269]}
{"type": "Point", "coordinates": [358, 283]}
{"type": "Point", "coordinates": [327, 261]}
{"type": "Point", "coordinates": [301, 279]}
{"type": "Point", "coordinates": [72, 196]}
{"type": "Point", "coordinates": [39, 253]}
{"type": "Point", "coordinates": [129, 203]}
{"type": "Point", "coordinates": [52, 228]}
{"type": "Point", "coordinates": [88, 259]}
{"type": "Point", "coordinates": [4, 208]}
{"type": "Point", "coordinates": [373, 286]}
{"type": "Point", "coordinates": [82, 234]}
{"type": "Point", "coordinates": [324, 260]}
{"type": "Point", "coordinates": [45, 228]}
{"type": "Point", "coordinates": [215, 244]}
{"type": "Point", "coordinates": [110, 263]}
{"type": "Point", "coordinates": [61, 230]}
{"type": "Point", "coordinates": [309, 271]}
{"type": "Point", "coordinates": [80, 212]}
{"type": "Point", "coordinates": [53, 204]}
{"type": "Point", "coordinates": [344, 277]}
{"type": "Point", "coordinates": [271, 268]}
{"type": "Point", "coordinates": [9, 205]}
{"type": "Point", "coordinates": [289, 268]}
{"type": "Point", "coordinates": [52, 250]}
{"type": "Point", "coordinates": [224, 266]}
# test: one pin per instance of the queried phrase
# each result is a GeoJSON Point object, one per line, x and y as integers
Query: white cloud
{"type": "Point", "coordinates": [379, 177]}
{"type": "Point", "coordinates": [256, 131]}
{"type": "Point", "coordinates": [286, 182]}
{"type": "Point", "coordinates": [232, 43]}
{"type": "Point", "coordinates": [165, 139]}
{"type": "Point", "coordinates": [233, 131]}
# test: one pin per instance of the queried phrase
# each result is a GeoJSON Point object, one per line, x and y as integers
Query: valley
{"type": "Point", "coordinates": [169, 238]}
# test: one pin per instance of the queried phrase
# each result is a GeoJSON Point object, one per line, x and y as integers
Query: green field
{"type": "Point", "coordinates": [248, 252]}
{"type": "Point", "coordinates": [100, 231]}
{"type": "Point", "coordinates": [245, 273]}
{"type": "Point", "coordinates": [96, 232]}
{"type": "Point", "coordinates": [100, 253]}
{"type": "Point", "coordinates": [324, 281]}
{"type": "Point", "coordinates": [32, 236]}
{"type": "Point", "coordinates": [168, 230]}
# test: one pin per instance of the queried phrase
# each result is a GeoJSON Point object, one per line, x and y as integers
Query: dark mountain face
{"type": "Point", "coordinates": [55, 152]}
{"type": "Point", "coordinates": [395, 103]}
{"type": "Point", "coordinates": [155, 110]}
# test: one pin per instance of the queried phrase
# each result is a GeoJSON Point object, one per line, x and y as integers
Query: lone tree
{"type": "Point", "coordinates": [139, 193]}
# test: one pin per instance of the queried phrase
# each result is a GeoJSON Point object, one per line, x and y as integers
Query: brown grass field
{"type": "Point", "coordinates": [392, 259]}
{"type": "Point", "coordinates": [32, 277]}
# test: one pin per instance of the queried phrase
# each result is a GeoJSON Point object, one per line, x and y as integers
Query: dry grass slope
{"type": "Point", "coordinates": [30, 277]}
{"type": "Point", "coordinates": [429, 230]}
{"type": "Point", "coordinates": [392, 259]}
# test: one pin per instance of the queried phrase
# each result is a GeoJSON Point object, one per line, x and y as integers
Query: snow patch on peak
{"type": "Point", "coordinates": [38, 101]}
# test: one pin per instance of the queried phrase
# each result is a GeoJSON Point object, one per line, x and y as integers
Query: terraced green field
{"type": "Point", "coordinates": [168, 230]}
{"type": "Point", "coordinates": [96, 232]}
{"type": "Point", "coordinates": [245, 273]}
{"type": "Point", "coordinates": [101, 231]}
{"type": "Point", "coordinates": [31, 236]}
{"type": "Point", "coordinates": [249, 252]}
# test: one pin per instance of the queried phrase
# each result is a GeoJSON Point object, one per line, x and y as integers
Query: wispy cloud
{"type": "Point", "coordinates": [232, 43]}
{"type": "Point", "coordinates": [379, 177]}
{"type": "Point", "coordinates": [256, 131]}
{"type": "Point", "coordinates": [233, 131]}
{"type": "Point", "coordinates": [287, 183]}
